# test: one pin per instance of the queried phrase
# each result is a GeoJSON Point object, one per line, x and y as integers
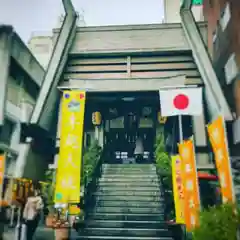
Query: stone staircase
{"type": "Point", "coordinates": [128, 205]}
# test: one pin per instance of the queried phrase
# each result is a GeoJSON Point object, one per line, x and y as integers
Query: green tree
{"type": "Point", "coordinates": [163, 160]}
{"type": "Point", "coordinates": [218, 223]}
{"type": "Point", "coordinates": [164, 169]}
{"type": "Point", "coordinates": [90, 159]}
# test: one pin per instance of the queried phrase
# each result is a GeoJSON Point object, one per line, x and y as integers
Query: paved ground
{"type": "Point", "coordinates": [41, 234]}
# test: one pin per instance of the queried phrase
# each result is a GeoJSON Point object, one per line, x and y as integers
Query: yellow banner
{"type": "Point", "coordinates": [177, 179]}
{"type": "Point", "coordinates": [70, 154]}
{"type": "Point", "coordinates": [216, 132]}
{"type": "Point", "coordinates": [190, 186]}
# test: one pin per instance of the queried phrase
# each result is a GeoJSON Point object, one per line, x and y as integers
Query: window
{"type": "Point", "coordinates": [225, 17]}
{"type": "Point", "coordinates": [231, 69]}
{"type": "Point", "coordinates": [7, 131]}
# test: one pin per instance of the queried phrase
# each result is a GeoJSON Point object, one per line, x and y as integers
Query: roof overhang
{"type": "Point", "coordinates": [126, 85]}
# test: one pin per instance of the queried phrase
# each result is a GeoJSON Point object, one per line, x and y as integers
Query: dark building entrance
{"type": "Point", "coordinates": [126, 118]}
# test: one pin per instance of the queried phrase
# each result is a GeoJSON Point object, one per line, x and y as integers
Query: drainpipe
{"type": "Point", "coordinates": [216, 100]}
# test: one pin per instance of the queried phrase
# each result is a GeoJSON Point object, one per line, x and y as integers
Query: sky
{"type": "Point", "coordinates": [29, 16]}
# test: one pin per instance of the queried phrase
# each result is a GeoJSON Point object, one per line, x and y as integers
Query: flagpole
{"type": "Point", "coordinates": [184, 230]}
{"type": "Point", "coordinates": [180, 128]}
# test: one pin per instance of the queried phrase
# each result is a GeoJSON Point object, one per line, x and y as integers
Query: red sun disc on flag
{"type": "Point", "coordinates": [181, 101]}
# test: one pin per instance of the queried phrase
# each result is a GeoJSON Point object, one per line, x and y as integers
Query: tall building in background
{"type": "Point", "coordinates": [41, 46]}
{"type": "Point", "coordinates": [172, 8]}
{"type": "Point", "coordinates": [223, 17]}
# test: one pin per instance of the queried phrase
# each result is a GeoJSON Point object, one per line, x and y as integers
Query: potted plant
{"type": "Point", "coordinates": [61, 225]}
{"type": "Point", "coordinates": [218, 223]}
{"type": "Point", "coordinates": [48, 193]}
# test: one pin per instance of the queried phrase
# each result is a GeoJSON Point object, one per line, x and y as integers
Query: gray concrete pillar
{"type": "Point", "coordinates": [101, 136]}
{"type": "Point", "coordinates": [5, 54]}
{"type": "Point", "coordinates": [24, 148]}
{"type": "Point", "coordinates": [200, 137]}
{"type": "Point", "coordinates": [96, 133]}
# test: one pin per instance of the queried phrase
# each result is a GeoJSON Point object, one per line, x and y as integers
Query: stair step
{"type": "Point", "coordinates": [129, 188]}
{"type": "Point", "coordinates": [129, 176]}
{"type": "Point", "coordinates": [121, 181]}
{"type": "Point", "coordinates": [127, 209]}
{"type": "Point", "coordinates": [127, 224]}
{"type": "Point", "coordinates": [129, 205]}
{"type": "Point", "coordinates": [136, 203]}
{"type": "Point", "coordinates": [136, 192]}
{"type": "Point", "coordinates": [126, 216]}
{"type": "Point", "coordinates": [141, 232]}
{"type": "Point", "coordinates": [129, 171]}
{"type": "Point", "coordinates": [136, 166]}
{"type": "Point", "coordinates": [121, 238]}
{"type": "Point", "coordinates": [129, 197]}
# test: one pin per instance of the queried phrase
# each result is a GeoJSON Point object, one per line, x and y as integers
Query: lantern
{"type": "Point", "coordinates": [96, 118]}
{"type": "Point", "coordinates": [161, 120]}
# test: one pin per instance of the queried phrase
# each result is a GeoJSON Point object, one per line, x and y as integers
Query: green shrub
{"type": "Point", "coordinates": [164, 170]}
{"type": "Point", "coordinates": [90, 159]}
{"type": "Point", "coordinates": [218, 223]}
{"type": "Point", "coordinates": [48, 189]}
{"type": "Point", "coordinates": [163, 161]}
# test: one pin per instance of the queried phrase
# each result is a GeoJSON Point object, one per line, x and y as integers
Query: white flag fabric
{"type": "Point", "coordinates": [182, 101]}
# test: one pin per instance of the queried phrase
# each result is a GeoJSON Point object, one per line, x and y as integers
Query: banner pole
{"type": "Point", "coordinates": [180, 128]}
{"type": "Point", "coordinates": [184, 229]}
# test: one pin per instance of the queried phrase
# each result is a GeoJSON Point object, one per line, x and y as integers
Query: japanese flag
{"type": "Point", "coordinates": [182, 101]}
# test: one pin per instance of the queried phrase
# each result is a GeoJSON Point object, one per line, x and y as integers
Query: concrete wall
{"type": "Point", "coordinates": [26, 60]}
{"type": "Point", "coordinates": [35, 166]}
{"type": "Point", "coordinates": [16, 92]}
{"type": "Point", "coordinates": [131, 38]}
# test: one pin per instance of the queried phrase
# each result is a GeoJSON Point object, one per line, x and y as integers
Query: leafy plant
{"type": "Point", "coordinates": [164, 169]}
{"type": "Point", "coordinates": [218, 223]}
{"type": "Point", "coordinates": [163, 162]}
{"type": "Point", "coordinates": [48, 189]}
{"type": "Point", "coordinates": [90, 160]}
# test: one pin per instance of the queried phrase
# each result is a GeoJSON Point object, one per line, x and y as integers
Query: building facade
{"type": "Point", "coordinates": [22, 76]}
{"type": "Point", "coordinates": [223, 18]}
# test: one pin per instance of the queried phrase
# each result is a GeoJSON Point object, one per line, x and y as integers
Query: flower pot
{"type": "Point", "coordinates": [61, 233]}
{"type": "Point", "coordinates": [49, 221]}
